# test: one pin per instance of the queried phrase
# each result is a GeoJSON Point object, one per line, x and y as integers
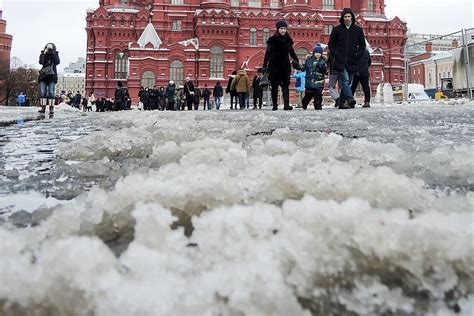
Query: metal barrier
{"type": "Point", "coordinates": [467, 40]}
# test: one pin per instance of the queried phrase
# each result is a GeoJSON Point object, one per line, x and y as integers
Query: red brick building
{"type": "Point", "coordinates": [146, 42]}
{"type": "Point", "coordinates": [5, 41]}
{"type": "Point", "coordinates": [417, 65]}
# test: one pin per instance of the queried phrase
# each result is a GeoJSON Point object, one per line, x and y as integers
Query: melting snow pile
{"type": "Point", "coordinates": [247, 214]}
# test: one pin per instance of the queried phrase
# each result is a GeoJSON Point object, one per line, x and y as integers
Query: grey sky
{"type": "Point", "coordinates": [33, 23]}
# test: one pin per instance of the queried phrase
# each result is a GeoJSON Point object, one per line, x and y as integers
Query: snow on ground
{"type": "Point", "coordinates": [356, 212]}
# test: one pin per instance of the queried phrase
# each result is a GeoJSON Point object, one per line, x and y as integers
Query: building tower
{"type": "Point", "coordinates": [5, 41]}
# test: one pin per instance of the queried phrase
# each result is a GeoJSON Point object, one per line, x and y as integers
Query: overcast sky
{"type": "Point", "coordinates": [33, 23]}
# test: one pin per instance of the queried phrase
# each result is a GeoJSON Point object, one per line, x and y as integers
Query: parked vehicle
{"type": "Point", "coordinates": [457, 86]}
{"type": "Point", "coordinates": [416, 92]}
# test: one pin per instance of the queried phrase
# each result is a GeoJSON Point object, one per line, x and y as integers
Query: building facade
{"type": "Point", "coordinates": [71, 82]}
{"type": "Point", "coordinates": [5, 41]}
{"type": "Point", "coordinates": [147, 43]}
{"type": "Point", "coordinates": [78, 66]}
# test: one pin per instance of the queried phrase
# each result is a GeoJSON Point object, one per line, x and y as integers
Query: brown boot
{"type": "Point", "coordinates": [43, 103]}
{"type": "Point", "coordinates": [366, 104]}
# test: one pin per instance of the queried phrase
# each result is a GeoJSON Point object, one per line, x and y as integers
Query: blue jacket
{"type": "Point", "coordinates": [299, 76]}
{"type": "Point", "coordinates": [315, 72]}
{"type": "Point", "coordinates": [21, 99]}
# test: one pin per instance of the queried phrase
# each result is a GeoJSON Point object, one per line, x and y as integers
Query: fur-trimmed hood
{"type": "Point", "coordinates": [344, 12]}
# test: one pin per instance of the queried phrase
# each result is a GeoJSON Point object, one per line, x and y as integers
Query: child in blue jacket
{"type": "Point", "coordinates": [315, 68]}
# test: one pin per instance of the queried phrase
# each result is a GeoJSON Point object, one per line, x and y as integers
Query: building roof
{"type": "Point", "coordinates": [149, 35]}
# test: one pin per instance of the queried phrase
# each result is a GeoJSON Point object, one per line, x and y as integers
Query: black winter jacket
{"type": "Point", "coordinates": [277, 60]}
{"type": "Point", "coordinates": [49, 59]}
{"type": "Point", "coordinates": [364, 63]}
{"type": "Point", "coordinates": [346, 45]}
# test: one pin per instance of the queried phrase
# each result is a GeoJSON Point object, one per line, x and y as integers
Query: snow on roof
{"type": "Point", "coordinates": [124, 10]}
{"type": "Point", "coordinates": [149, 35]}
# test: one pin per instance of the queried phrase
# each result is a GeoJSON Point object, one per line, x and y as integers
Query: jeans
{"type": "Point", "coordinates": [346, 80]}
{"type": "Point", "coordinates": [242, 99]}
{"type": "Point", "coordinates": [299, 97]}
{"type": "Point", "coordinates": [47, 89]}
{"type": "Point", "coordinates": [218, 102]}
{"type": "Point", "coordinates": [334, 77]}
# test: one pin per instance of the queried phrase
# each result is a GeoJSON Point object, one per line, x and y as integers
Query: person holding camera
{"type": "Point", "coordinates": [48, 76]}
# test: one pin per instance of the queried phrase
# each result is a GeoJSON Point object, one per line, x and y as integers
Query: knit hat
{"type": "Point", "coordinates": [317, 49]}
{"type": "Point", "coordinates": [281, 23]}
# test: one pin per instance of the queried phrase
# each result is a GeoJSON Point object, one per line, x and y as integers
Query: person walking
{"type": "Point", "coordinates": [241, 85]}
{"type": "Point", "coordinates": [257, 90]}
{"type": "Point", "coordinates": [119, 99]}
{"type": "Point", "coordinates": [277, 63]}
{"type": "Point", "coordinates": [91, 101]}
{"type": "Point", "coordinates": [21, 99]}
{"type": "Point", "coordinates": [362, 77]}
{"type": "Point", "coordinates": [48, 77]}
{"type": "Point", "coordinates": [190, 93]}
{"type": "Point", "coordinates": [315, 69]}
{"type": "Point", "coordinates": [206, 95]}
{"type": "Point", "coordinates": [300, 84]}
{"type": "Point", "coordinates": [346, 46]}
{"type": "Point", "coordinates": [217, 94]}
{"type": "Point", "coordinates": [232, 94]}
{"type": "Point", "coordinates": [170, 95]}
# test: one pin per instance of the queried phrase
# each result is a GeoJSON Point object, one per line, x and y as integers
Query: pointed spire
{"type": "Point", "coordinates": [149, 35]}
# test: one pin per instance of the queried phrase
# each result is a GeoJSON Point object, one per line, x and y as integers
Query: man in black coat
{"type": "Point", "coordinates": [257, 90]}
{"type": "Point", "coordinates": [346, 46]}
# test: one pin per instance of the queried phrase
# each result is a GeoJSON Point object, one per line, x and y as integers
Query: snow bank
{"type": "Point", "coordinates": [251, 214]}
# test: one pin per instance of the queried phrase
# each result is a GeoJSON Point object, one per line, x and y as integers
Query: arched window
{"type": "Point", "coordinates": [235, 3]}
{"type": "Point", "coordinates": [253, 37]}
{"type": "Point", "coordinates": [121, 65]}
{"type": "Point", "coordinates": [266, 35]}
{"type": "Point", "coordinates": [301, 53]}
{"type": "Point", "coordinates": [217, 62]}
{"type": "Point", "coordinates": [148, 79]}
{"type": "Point", "coordinates": [177, 72]}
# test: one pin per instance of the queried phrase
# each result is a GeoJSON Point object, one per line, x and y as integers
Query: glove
{"type": "Point", "coordinates": [295, 64]}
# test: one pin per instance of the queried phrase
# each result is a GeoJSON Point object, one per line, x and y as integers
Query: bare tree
{"type": "Point", "coordinates": [18, 78]}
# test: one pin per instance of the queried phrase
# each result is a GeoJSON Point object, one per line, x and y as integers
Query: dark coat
{"type": "Point", "coordinates": [277, 60]}
{"type": "Point", "coordinates": [189, 91]}
{"type": "Point", "coordinates": [47, 60]}
{"type": "Point", "coordinates": [170, 90]}
{"type": "Point", "coordinates": [119, 95]}
{"type": "Point", "coordinates": [364, 64]}
{"type": "Point", "coordinates": [206, 93]}
{"type": "Point", "coordinates": [217, 93]}
{"type": "Point", "coordinates": [257, 90]}
{"type": "Point", "coordinates": [316, 70]}
{"type": "Point", "coordinates": [229, 83]}
{"type": "Point", "coordinates": [346, 45]}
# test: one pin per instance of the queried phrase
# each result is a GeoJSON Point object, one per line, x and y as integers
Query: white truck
{"type": "Point", "coordinates": [457, 86]}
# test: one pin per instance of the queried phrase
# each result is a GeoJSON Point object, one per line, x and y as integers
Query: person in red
{"type": "Point", "coordinates": [277, 63]}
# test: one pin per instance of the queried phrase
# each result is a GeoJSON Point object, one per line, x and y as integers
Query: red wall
{"type": "Point", "coordinates": [217, 23]}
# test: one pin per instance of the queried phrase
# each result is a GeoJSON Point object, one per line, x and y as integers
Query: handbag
{"type": "Point", "coordinates": [47, 71]}
{"type": "Point", "coordinates": [264, 82]}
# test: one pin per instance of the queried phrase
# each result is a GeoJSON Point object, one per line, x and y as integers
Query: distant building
{"type": "Point", "coordinates": [78, 67]}
{"type": "Point", "coordinates": [149, 42]}
{"type": "Point", "coordinates": [5, 41]}
{"type": "Point", "coordinates": [439, 43]}
{"type": "Point", "coordinates": [71, 82]}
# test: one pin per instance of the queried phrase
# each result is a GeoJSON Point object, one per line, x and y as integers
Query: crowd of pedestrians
{"type": "Point", "coordinates": [344, 66]}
